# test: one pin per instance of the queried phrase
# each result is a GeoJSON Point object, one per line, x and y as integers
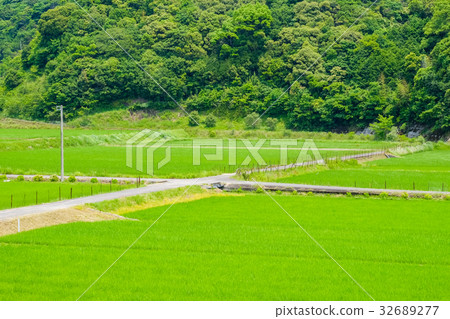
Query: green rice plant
{"type": "Point", "coordinates": [38, 178]}
{"type": "Point", "coordinates": [72, 179]}
{"type": "Point", "coordinates": [419, 171]}
{"type": "Point", "coordinates": [384, 195]}
{"type": "Point", "coordinates": [24, 193]}
{"type": "Point", "coordinates": [209, 249]}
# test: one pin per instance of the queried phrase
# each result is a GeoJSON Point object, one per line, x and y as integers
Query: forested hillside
{"type": "Point", "coordinates": [232, 57]}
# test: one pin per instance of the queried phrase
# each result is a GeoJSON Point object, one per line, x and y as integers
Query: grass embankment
{"type": "Point", "coordinates": [421, 171]}
{"type": "Point", "coordinates": [32, 193]}
{"type": "Point", "coordinates": [240, 248]}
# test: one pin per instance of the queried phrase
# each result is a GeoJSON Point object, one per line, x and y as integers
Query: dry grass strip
{"type": "Point", "coordinates": [58, 217]}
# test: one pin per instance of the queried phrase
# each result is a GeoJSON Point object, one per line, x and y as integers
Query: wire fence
{"type": "Point", "coordinates": [46, 193]}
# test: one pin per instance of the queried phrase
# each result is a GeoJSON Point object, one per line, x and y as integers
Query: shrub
{"type": "Point", "coordinates": [94, 180]}
{"type": "Point", "coordinates": [278, 192]}
{"type": "Point", "coordinates": [421, 139]}
{"type": "Point", "coordinates": [72, 179]}
{"type": "Point", "coordinates": [212, 133]}
{"type": "Point", "coordinates": [294, 192]}
{"type": "Point", "coordinates": [384, 195]}
{"type": "Point", "coordinates": [20, 178]}
{"type": "Point", "coordinates": [252, 121]}
{"type": "Point", "coordinates": [114, 181]}
{"type": "Point", "coordinates": [393, 134]}
{"type": "Point", "coordinates": [382, 127]}
{"type": "Point", "coordinates": [2, 177]}
{"type": "Point", "coordinates": [348, 194]}
{"type": "Point", "coordinates": [310, 194]}
{"type": "Point", "coordinates": [287, 133]}
{"type": "Point", "coordinates": [38, 178]}
{"type": "Point", "coordinates": [259, 190]}
{"type": "Point", "coordinates": [351, 135]}
{"type": "Point", "coordinates": [427, 196]}
{"type": "Point", "coordinates": [210, 121]}
{"type": "Point", "coordinates": [405, 195]}
{"type": "Point", "coordinates": [239, 190]}
{"type": "Point", "coordinates": [366, 195]}
{"type": "Point", "coordinates": [194, 118]}
{"type": "Point", "coordinates": [54, 178]}
{"type": "Point", "coordinates": [271, 124]}
{"type": "Point", "coordinates": [447, 197]}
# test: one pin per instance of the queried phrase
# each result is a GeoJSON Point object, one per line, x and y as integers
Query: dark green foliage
{"type": "Point", "coordinates": [233, 57]}
{"type": "Point", "coordinates": [271, 124]}
{"type": "Point", "coordinates": [194, 118]}
{"type": "Point", "coordinates": [210, 121]}
{"type": "Point", "coordinates": [252, 121]}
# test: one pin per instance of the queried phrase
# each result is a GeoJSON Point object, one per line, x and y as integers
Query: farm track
{"type": "Point", "coordinates": [224, 181]}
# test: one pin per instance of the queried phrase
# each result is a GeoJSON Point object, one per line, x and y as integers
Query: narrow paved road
{"type": "Point", "coordinates": [161, 185]}
{"type": "Point", "coordinates": [226, 181]}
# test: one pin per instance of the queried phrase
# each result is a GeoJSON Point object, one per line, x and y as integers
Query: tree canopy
{"type": "Point", "coordinates": [232, 57]}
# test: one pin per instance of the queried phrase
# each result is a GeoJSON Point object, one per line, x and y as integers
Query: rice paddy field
{"type": "Point", "coordinates": [420, 171]}
{"type": "Point", "coordinates": [17, 194]}
{"type": "Point", "coordinates": [103, 153]}
{"type": "Point", "coordinates": [240, 247]}
{"type": "Point", "coordinates": [104, 160]}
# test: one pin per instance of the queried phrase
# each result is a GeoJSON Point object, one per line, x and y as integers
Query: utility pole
{"type": "Point", "coordinates": [60, 108]}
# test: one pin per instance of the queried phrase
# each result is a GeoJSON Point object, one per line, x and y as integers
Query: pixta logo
{"type": "Point", "coordinates": [150, 141]}
{"type": "Point", "coordinates": [142, 152]}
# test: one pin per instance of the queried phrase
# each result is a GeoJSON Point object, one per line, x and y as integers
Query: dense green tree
{"type": "Point", "coordinates": [232, 57]}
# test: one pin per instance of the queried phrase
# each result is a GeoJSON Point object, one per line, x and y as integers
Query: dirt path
{"type": "Point", "coordinates": [15, 213]}
{"type": "Point", "coordinates": [226, 181]}
{"type": "Point", "coordinates": [65, 216]}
